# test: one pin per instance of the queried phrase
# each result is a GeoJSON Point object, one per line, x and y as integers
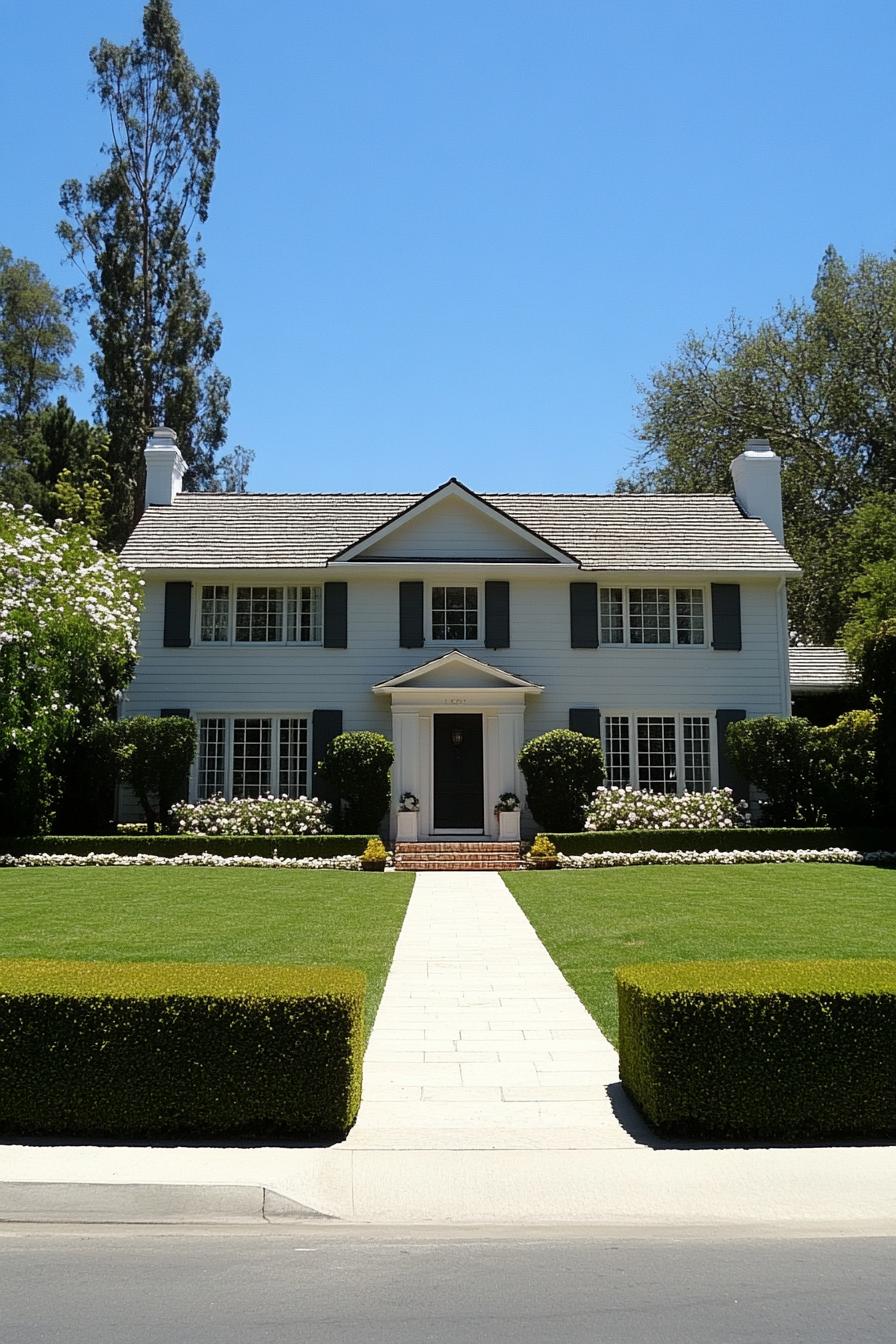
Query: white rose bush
{"type": "Point", "coordinates": [69, 615]}
{"type": "Point", "coordinates": [643, 858]}
{"type": "Point", "coordinates": [334, 862]}
{"type": "Point", "coordinates": [252, 816]}
{"type": "Point", "coordinates": [627, 809]}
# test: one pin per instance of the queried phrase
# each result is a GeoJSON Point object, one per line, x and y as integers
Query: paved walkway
{"type": "Point", "coordinates": [479, 1041]}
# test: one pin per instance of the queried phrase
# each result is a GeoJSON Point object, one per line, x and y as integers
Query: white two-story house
{"type": "Point", "coordinates": [460, 625]}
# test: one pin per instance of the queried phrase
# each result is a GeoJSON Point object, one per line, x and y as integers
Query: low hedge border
{"type": "Point", "coordinates": [866, 839]}
{"type": "Point", "coordinates": [761, 1050]}
{"type": "Point", "coordinates": [167, 846]}
{"type": "Point", "coordinates": [136, 1050]}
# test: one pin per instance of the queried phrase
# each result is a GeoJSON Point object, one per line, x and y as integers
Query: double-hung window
{"type": "Point", "coordinates": [252, 755]}
{"type": "Point", "coordinates": [455, 614]}
{"type": "Point", "coordinates": [663, 753]}
{"type": "Point", "coordinates": [261, 614]}
{"type": "Point", "coordinates": [652, 616]}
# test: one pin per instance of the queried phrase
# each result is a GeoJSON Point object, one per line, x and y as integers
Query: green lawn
{"type": "Point", "coordinates": [206, 914]}
{"type": "Point", "coordinates": [592, 922]}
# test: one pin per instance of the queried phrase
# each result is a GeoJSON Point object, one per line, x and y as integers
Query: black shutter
{"type": "Point", "coordinates": [325, 725]}
{"type": "Point", "coordinates": [726, 616]}
{"type": "Point", "coordinates": [497, 614]}
{"type": "Point", "coordinates": [177, 615]}
{"type": "Point", "coordinates": [410, 617]}
{"type": "Point", "coordinates": [585, 721]}
{"type": "Point", "coordinates": [583, 615]}
{"type": "Point", "coordinates": [729, 776]}
{"type": "Point", "coordinates": [335, 615]}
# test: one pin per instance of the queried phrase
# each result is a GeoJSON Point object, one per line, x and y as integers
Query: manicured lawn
{"type": "Point", "coordinates": [206, 914]}
{"type": "Point", "coordinates": [592, 922]}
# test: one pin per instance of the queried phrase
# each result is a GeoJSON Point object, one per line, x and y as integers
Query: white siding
{"type": "Point", "coordinates": [454, 527]}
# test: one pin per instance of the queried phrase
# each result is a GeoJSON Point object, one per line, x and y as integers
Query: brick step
{"type": "Point", "coordinates": [459, 847]}
{"type": "Point", "coordinates": [456, 866]}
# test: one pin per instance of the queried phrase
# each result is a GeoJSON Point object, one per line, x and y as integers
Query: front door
{"type": "Point", "coordinates": [457, 772]}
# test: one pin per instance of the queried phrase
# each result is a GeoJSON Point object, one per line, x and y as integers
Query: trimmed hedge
{"type": "Point", "coordinates": [135, 1050]}
{"type": "Point", "coordinates": [866, 839]}
{"type": "Point", "coordinates": [786, 1050]}
{"type": "Point", "coordinates": [286, 846]}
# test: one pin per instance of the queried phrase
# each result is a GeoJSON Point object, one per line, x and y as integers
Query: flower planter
{"type": "Point", "coordinates": [407, 826]}
{"type": "Point", "coordinates": [373, 865]}
{"type": "Point", "coordinates": [508, 825]}
{"type": "Point", "coordinates": [542, 863]}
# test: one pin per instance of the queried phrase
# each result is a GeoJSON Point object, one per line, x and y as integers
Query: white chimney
{"type": "Point", "coordinates": [756, 473]}
{"type": "Point", "coordinates": [165, 466]}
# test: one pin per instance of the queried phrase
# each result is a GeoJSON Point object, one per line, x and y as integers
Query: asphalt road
{"type": "Point", "coordinates": [341, 1286]}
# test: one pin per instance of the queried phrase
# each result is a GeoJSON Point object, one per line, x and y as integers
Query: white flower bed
{"type": "Point", "coordinates": [628, 809]}
{"type": "Point", "coordinates": [644, 857]}
{"type": "Point", "coordinates": [253, 816]}
{"type": "Point", "coordinates": [342, 862]}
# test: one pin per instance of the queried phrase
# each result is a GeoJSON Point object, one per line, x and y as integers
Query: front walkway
{"type": "Point", "coordinates": [479, 1041]}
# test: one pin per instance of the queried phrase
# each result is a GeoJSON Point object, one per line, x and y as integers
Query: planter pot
{"type": "Point", "coordinates": [407, 826]}
{"type": "Point", "coordinates": [542, 863]}
{"type": "Point", "coordinates": [508, 825]}
{"type": "Point", "coordinates": [373, 865]}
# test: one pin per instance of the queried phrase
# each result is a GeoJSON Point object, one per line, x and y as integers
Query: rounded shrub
{"type": "Point", "coordinates": [356, 766]}
{"type": "Point", "coordinates": [562, 769]}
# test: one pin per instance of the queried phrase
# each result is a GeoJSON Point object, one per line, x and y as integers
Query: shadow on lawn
{"type": "Point", "coordinates": [632, 1120]}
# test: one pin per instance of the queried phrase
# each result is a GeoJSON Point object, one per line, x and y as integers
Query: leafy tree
{"type": "Point", "coordinates": [562, 769]}
{"type": "Point", "coordinates": [35, 341]}
{"type": "Point", "coordinates": [819, 381]}
{"type": "Point", "coordinates": [132, 230]}
{"type": "Point", "coordinates": [68, 645]}
{"type": "Point", "coordinates": [232, 474]}
{"type": "Point", "coordinates": [152, 756]}
{"type": "Point", "coordinates": [60, 468]}
{"type": "Point", "coordinates": [357, 766]}
{"type": "Point", "coordinates": [876, 660]}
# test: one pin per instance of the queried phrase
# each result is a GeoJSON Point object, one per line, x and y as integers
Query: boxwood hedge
{"type": "Point", "coordinates": [136, 1050]}
{"type": "Point", "coordinates": [866, 839]}
{"type": "Point", "coordinates": [285, 846]}
{"type": "Point", "coordinates": [762, 1050]}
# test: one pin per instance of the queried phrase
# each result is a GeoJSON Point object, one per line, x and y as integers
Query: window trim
{"type": "Point", "coordinates": [679, 715]}
{"type": "Point", "coordinates": [275, 716]}
{"type": "Point", "coordinates": [479, 641]}
{"type": "Point", "coordinates": [232, 641]}
{"type": "Point", "coordinates": [672, 589]}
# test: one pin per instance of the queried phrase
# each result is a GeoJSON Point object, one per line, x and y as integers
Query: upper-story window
{"type": "Point", "coordinates": [455, 614]}
{"type": "Point", "coordinates": [652, 616]}
{"type": "Point", "coordinates": [261, 614]}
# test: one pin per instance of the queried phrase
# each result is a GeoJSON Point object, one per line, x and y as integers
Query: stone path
{"type": "Point", "coordinates": [479, 1041]}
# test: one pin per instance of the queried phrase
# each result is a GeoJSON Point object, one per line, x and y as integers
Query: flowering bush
{"type": "Point", "coordinates": [618, 809]}
{"type": "Point", "coordinates": [343, 862]}
{"type": "Point", "coordinates": [507, 802]}
{"type": "Point", "coordinates": [643, 857]}
{"type": "Point", "coordinates": [252, 816]}
{"type": "Point", "coordinates": [409, 802]}
{"type": "Point", "coordinates": [68, 644]}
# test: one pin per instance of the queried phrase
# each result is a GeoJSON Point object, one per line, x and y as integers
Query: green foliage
{"type": "Point", "coordinates": [542, 852]}
{"type": "Point", "coordinates": [873, 595]}
{"type": "Point", "coordinates": [153, 756]}
{"type": "Point", "coordinates": [357, 766]}
{"type": "Point", "coordinates": [375, 854]}
{"type": "Point", "coordinates": [865, 839]}
{"type": "Point", "coordinates": [265, 846]}
{"type": "Point", "coordinates": [760, 1050]}
{"type": "Point", "coordinates": [35, 340]}
{"type": "Point", "coordinates": [812, 776]}
{"type": "Point", "coordinates": [132, 230]}
{"type": "Point", "coordinates": [139, 1049]}
{"type": "Point", "coordinates": [562, 769]}
{"type": "Point", "coordinates": [59, 466]}
{"type": "Point", "coordinates": [877, 668]}
{"type": "Point", "coordinates": [818, 381]}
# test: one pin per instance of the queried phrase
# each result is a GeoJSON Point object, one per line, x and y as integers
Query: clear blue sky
{"type": "Point", "coordinates": [449, 236]}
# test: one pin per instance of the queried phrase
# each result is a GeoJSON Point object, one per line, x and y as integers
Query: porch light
{"type": "Point", "coordinates": [457, 737]}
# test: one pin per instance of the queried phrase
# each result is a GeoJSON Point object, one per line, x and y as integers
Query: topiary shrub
{"type": "Point", "coordinates": [542, 853]}
{"type": "Point", "coordinates": [373, 860]}
{"type": "Point", "coordinates": [357, 766]}
{"type": "Point", "coordinates": [760, 1050]}
{"type": "Point", "coordinates": [153, 756]}
{"type": "Point", "coordinates": [142, 1049]}
{"type": "Point", "coordinates": [562, 769]}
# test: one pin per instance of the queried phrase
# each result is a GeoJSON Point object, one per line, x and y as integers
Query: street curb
{"type": "Point", "coordinates": [83, 1202]}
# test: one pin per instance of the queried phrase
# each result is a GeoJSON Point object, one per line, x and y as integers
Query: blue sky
{"type": "Point", "coordinates": [448, 237]}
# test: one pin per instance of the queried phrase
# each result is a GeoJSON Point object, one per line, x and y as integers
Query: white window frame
{"type": "Point", "coordinates": [232, 641]}
{"type": "Point", "coordinates": [479, 641]}
{"type": "Point", "coordinates": [671, 589]}
{"type": "Point", "coordinates": [275, 716]}
{"type": "Point", "coordinates": [679, 715]}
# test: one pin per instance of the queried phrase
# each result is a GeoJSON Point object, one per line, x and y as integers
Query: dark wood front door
{"type": "Point", "coordinates": [457, 772]}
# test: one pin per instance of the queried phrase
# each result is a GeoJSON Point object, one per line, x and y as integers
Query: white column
{"type": "Point", "coordinates": [406, 770]}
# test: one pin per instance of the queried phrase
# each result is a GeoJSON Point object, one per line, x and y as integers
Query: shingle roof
{"type": "Point", "coordinates": [640, 532]}
{"type": "Point", "coordinates": [820, 669]}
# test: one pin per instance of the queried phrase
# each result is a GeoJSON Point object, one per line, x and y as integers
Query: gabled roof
{"type": "Point", "coordinates": [816, 670]}
{"type": "Point", "coordinates": [603, 532]}
{"type": "Point", "coordinates": [452, 662]}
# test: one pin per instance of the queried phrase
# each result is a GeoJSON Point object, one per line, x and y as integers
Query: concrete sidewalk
{"type": "Point", "coordinates": [490, 1096]}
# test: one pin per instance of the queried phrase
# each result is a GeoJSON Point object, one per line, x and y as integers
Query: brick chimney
{"type": "Point", "coordinates": [165, 466]}
{"type": "Point", "coordinates": [756, 473]}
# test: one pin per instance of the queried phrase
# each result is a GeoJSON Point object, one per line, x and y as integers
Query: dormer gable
{"type": "Point", "coordinates": [453, 524]}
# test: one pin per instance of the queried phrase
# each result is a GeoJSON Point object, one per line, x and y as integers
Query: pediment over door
{"type": "Point", "coordinates": [461, 672]}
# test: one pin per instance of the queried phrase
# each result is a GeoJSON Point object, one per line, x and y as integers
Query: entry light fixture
{"type": "Point", "coordinates": [457, 737]}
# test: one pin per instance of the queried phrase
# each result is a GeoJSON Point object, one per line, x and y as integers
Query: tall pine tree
{"type": "Point", "coordinates": [133, 232]}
